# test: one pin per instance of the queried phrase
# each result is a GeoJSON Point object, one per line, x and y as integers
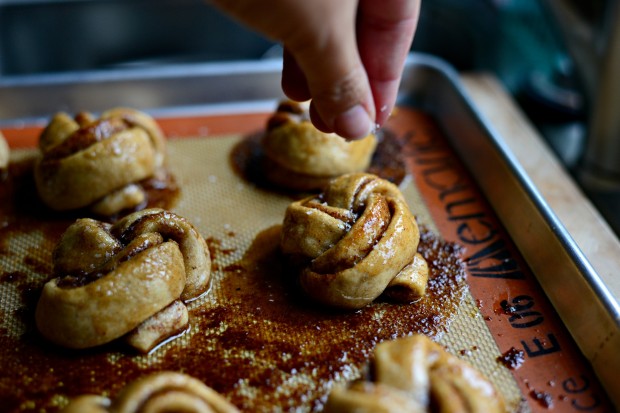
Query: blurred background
{"type": "Point", "coordinates": [560, 59]}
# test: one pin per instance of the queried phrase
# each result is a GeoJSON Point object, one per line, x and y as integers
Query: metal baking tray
{"type": "Point", "coordinates": [587, 308]}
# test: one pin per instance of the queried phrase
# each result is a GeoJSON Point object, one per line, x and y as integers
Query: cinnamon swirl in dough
{"type": "Point", "coordinates": [158, 393]}
{"type": "Point", "coordinates": [128, 279]}
{"type": "Point", "coordinates": [411, 374]}
{"type": "Point", "coordinates": [299, 156]}
{"type": "Point", "coordinates": [98, 163]}
{"type": "Point", "coordinates": [355, 241]}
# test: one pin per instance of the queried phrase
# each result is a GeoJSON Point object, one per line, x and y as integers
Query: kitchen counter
{"type": "Point", "coordinates": [584, 223]}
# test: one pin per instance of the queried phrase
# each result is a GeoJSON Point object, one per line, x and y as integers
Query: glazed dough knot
{"type": "Point", "coordinates": [128, 279]}
{"type": "Point", "coordinates": [299, 156]}
{"type": "Point", "coordinates": [409, 373]}
{"type": "Point", "coordinates": [158, 393]}
{"type": "Point", "coordinates": [98, 163]}
{"type": "Point", "coordinates": [354, 241]}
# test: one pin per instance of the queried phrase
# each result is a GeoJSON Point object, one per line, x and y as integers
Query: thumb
{"type": "Point", "coordinates": [327, 65]}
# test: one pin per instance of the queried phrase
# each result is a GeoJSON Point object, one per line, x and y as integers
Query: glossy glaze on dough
{"type": "Point", "coordinates": [85, 160]}
{"type": "Point", "coordinates": [157, 393]}
{"type": "Point", "coordinates": [122, 278]}
{"type": "Point", "coordinates": [299, 156]}
{"type": "Point", "coordinates": [352, 241]}
{"type": "Point", "coordinates": [415, 374]}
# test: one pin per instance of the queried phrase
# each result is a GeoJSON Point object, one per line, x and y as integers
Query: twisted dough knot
{"type": "Point", "coordinates": [411, 372]}
{"type": "Point", "coordinates": [355, 241]}
{"type": "Point", "coordinates": [98, 163]}
{"type": "Point", "coordinates": [299, 156]}
{"type": "Point", "coordinates": [130, 277]}
{"type": "Point", "coordinates": [158, 393]}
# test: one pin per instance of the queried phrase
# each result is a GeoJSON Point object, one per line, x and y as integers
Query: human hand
{"type": "Point", "coordinates": [345, 55]}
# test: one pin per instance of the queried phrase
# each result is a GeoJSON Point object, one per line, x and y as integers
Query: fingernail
{"type": "Point", "coordinates": [355, 123]}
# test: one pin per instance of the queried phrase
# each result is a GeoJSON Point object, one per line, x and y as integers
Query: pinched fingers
{"type": "Point", "coordinates": [385, 33]}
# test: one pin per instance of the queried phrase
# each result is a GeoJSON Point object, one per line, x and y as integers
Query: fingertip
{"type": "Point", "coordinates": [383, 113]}
{"type": "Point", "coordinates": [354, 123]}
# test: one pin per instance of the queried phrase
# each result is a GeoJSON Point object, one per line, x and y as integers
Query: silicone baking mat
{"type": "Point", "coordinates": [502, 322]}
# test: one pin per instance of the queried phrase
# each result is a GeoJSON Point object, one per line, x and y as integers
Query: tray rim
{"type": "Point", "coordinates": [525, 181]}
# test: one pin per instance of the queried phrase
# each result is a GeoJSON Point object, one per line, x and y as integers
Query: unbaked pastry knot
{"type": "Point", "coordinates": [128, 279]}
{"type": "Point", "coordinates": [299, 156]}
{"type": "Point", "coordinates": [158, 393]}
{"type": "Point", "coordinates": [411, 372]}
{"type": "Point", "coordinates": [96, 163]}
{"type": "Point", "coordinates": [354, 242]}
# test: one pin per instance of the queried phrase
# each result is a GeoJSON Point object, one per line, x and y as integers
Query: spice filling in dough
{"type": "Point", "coordinates": [130, 277]}
{"type": "Point", "coordinates": [165, 391]}
{"type": "Point", "coordinates": [416, 375]}
{"type": "Point", "coordinates": [354, 242]}
{"type": "Point", "coordinates": [98, 163]}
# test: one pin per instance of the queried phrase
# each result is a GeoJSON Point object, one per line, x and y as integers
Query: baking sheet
{"type": "Point", "coordinates": [249, 90]}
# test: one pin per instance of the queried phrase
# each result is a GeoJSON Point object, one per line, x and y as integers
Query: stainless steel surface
{"type": "Point", "coordinates": [582, 300]}
{"type": "Point", "coordinates": [38, 96]}
{"type": "Point", "coordinates": [594, 43]}
{"type": "Point", "coordinates": [45, 36]}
